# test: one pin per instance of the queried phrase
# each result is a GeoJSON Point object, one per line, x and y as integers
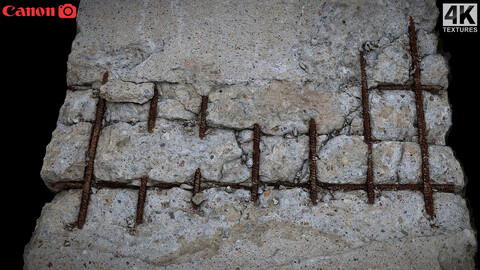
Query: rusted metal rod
{"type": "Point", "coordinates": [367, 130]}
{"type": "Point", "coordinates": [152, 113]}
{"type": "Point", "coordinates": [256, 162]}
{"type": "Point", "coordinates": [410, 87]}
{"type": "Point", "coordinates": [312, 132]}
{"type": "Point", "coordinates": [87, 180]}
{"type": "Point", "coordinates": [327, 186]}
{"type": "Point", "coordinates": [203, 117]}
{"type": "Point", "coordinates": [87, 177]}
{"type": "Point", "coordinates": [422, 133]}
{"type": "Point", "coordinates": [142, 194]}
{"type": "Point", "coordinates": [105, 77]}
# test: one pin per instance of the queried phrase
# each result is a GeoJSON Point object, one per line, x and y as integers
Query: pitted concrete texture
{"type": "Point", "coordinates": [274, 63]}
{"type": "Point", "coordinates": [284, 231]}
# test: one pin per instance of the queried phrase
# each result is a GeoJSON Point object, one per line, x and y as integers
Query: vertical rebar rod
{"type": "Point", "coordinates": [152, 113]}
{"type": "Point", "coordinates": [256, 162]}
{"type": "Point", "coordinates": [203, 117]}
{"type": "Point", "coordinates": [312, 132]}
{"type": "Point", "coordinates": [87, 180]}
{"type": "Point", "coordinates": [422, 133]}
{"type": "Point", "coordinates": [367, 130]}
{"type": "Point", "coordinates": [142, 193]}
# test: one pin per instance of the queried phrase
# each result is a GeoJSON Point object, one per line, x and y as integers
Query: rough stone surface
{"type": "Point", "coordinates": [178, 101]}
{"type": "Point", "coordinates": [274, 63]}
{"type": "Point", "coordinates": [120, 91]}
{"type": "Point", "coordinates": [399, 162]}
{"type": "Point", "coordinates": [343, 160]}
{"type": "Point", "coordinates": [280, 107]}
{"type": "Point", "coordinates": [392, 65]}
{"type": "Point", "coordinates": [126, 112]}
{"type": "Point", "coordinates": [340, 232]}
{"type": "Point", "coordinates": [427, 43]}
{"type": "Point", "coordinates": [79, 106]}
{"type": "Point", "coordinates": [65, 156]}
{"type": "Point", "coordinates": [394, 116]}
{"type": "Point", "coordinates": [171, 153]}
{"type": "Point", "coordinates": [192, 43]}
{"type": "Point", "coordinates": [281, 159]}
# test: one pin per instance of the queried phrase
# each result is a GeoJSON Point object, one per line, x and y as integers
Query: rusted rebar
{"type": "Point", "coordinates": [433, 88]}
{"type": "Point", "coordinates": [203, 117]}
{"type": "Point", "coordinates": [276, 185]}
{"type": "Point", "coordinates": [312, 145]}
{"type": "Point", "coordinates": [65, 185]}
{"type": "Point", "coordinates": [142, 194]}
{"type": "Point", "coordinates": [367, 129]}
{"type": "Point", "coordinates": [422, 133]}
{"type": "Point", "coordinates": [105, 77]}
{"type": "Point", "coordinates": [419, 187]}
{"type": "Point", "coordinates": [426, 186]}
{"type": "Point", "coordinates": [333, 187]}
{"type": "Point", "coordinates": [196, 185]}
{"type": "Point", "coordinates": [152, 113]}
{"type": "Point", "coordinates": [87, 180]}
{"type": "Point", "coordinates": [256, 162]}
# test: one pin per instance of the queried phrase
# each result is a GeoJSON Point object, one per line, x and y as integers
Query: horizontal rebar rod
{"type": "Point", "coordinates": [276, 185]}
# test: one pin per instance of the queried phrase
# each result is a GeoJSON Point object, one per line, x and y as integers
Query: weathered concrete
{"type": "Point", "coordinates": [283, 232]}
{"type": "Point", "coordinates": [278, 64]}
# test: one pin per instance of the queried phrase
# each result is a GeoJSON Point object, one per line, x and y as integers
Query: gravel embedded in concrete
{"type": "Point", "coordinates": [277, 64]}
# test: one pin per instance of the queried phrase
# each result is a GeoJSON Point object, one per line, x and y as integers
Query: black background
{"type": "Point", "coordinates": [34, 55]}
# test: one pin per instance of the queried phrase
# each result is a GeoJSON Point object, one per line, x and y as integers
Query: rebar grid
{"type": "Point", "coordinates": [313, 185]}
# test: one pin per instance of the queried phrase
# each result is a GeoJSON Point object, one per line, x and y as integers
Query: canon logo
{"type": "Point", "coordinates": [64, 11]}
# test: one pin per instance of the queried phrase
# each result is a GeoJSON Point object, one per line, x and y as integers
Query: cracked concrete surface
{"type": "Point", "coordinates": [278, 64]}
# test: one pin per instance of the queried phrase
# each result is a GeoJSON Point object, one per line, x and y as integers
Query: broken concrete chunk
{"type": "Point", "coordinates": [427, 43]}
{"type": "Point", "coordinates": [438, 117]}
{"type": "Point", "coordinates": [236, 171]}
{"type": "Point", "coordinates": [121, 91]}
{"type": "Point", "coordinates": [444, 168]}
{"type": "Point", "coordinates": [386, 158]}
{"type": "Point", "coordinates": [178, 101]}
{"type": "Point", "coordinates": [394, 116]}
{"type": "Point", "coordinates": [174, 110]}
{"type": "Point", "coordinates": [199, 198]}
{"type": "Point", "coordinates": [399, 162]}
{"type": "Point", "coordinates": [126, 112]}
{"type": "Point", "coordinates": [79, 106]}
{"type": "Point", "coordinates": [392, 65]}
{"type": "Point", "coordinates": [281, 160]}
{"type": "Point", "coordinates": [65, 156]}
{"type": "Point", "coordinates": [434, 70]}
{"type": "Point", "coordinates": [170, 154]}
{"type": "Point", "coordinates": [343, 159]}
{"type": "Point", "coordinates": [279, 107]}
